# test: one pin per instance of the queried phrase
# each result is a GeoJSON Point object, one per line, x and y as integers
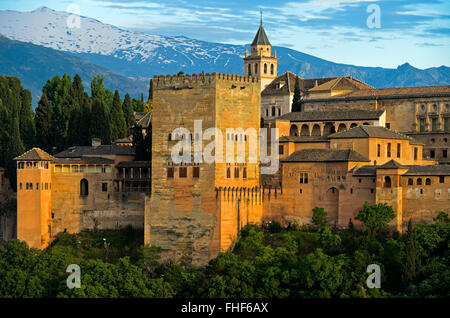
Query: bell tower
{"type": "Point", "coordinates": [260, 63]}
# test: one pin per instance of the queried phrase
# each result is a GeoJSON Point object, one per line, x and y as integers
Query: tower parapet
{"type": "Point", "coordinates": [181, 81]}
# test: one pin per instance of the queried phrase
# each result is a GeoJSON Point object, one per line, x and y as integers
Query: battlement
{"type": "Point", "coordinates": [179, 81]}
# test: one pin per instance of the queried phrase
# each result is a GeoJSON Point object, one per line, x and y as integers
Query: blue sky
{"type": "Point", "coordinates": [414, 31]}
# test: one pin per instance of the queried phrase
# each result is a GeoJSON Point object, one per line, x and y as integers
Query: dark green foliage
{"type": "Point", "coordinates": [411, 266]}
{"type": "Point", "coordinates": [142, 144]}
{"type": "Point", "coordinates": [44, 114]}
{"type": "Point", "coordinates": [296, 102]}
{"type": "Point", "coordinates": [128, 114]}
{"type": "Point", "coordinates": [14, 102]}
{"type": "Point", "coordinates": [289, 262]}
{"type": "Point", "coordinates": [375, 217]}
{"type": "Point", "coordinates": [150, 90]}
{"type": "Point", "coordinates": [319, 217]}
{"type": "Point", "coordinates": [137, 105]}
{"type": "Point", "coordinates": [27, 126]}
{"type": "Point", "coordinates": [100, 116]}
{"type": "Point", "coordinates": [117, 119]}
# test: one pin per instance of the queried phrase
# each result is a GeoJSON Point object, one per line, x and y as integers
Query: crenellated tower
{"type": "Point", "coordinates": [260, 63]}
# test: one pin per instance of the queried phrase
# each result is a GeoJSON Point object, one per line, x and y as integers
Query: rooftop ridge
{"type": "Point", "coordinates": [161, 81]}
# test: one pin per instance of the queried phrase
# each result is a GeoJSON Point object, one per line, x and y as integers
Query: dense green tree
{"type": "Point", "coordinates": [128, 114]}
{"type": "Point", "coordinates": [117, 119]}
{"type": "Point", "coordinates": [148, 106]}
{"type": "Point", "coordinates": [97, 88]}
{"type": "Point", "coordinates": [319, 217]}
{"type": "Point", "coordinates": [44, 125]}
{"type": "Point", "coordinates": [411, 266]}
{"type": "Point", "coordinates": [142, 144]}
{"type": "Point", "coordinates": [296, 102]}
{"type": "Point", "coordinates": [27, 125]}
{"type": "Point", "coordinates": [101, 129]}
{"type": "Point", "coordinates": [375, 217]}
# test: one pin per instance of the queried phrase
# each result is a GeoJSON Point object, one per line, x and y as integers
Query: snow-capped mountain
{"type": "Point", "coordinates": [140, 55]}
{"type": "Point", "coordinates": [62, 31]}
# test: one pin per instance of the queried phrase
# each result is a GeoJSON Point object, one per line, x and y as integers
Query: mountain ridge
{"type": "Point", "coordinates": [34, 65]}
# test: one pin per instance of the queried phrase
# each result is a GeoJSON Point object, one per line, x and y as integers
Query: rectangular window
{"type": "Point", "coordinates": [388, 125]}
{"type": "Point", "coordinates": [281, 150]}
{"type": "Point", "coordinates": [244, 173]}
{"type": "Point", "coordinates": [20, 186]}
{"type": "Point", "coordinates": [303, 178]}
{"type": "Point", "coordinates": [170, 173]}
{"type": "Point", "coordinates": [21, 165]}
{"type": "Point", "coordinates": [31, 186]}
{"type": "Point", "coordinates": [183, 172]}
{"type": "Point", "coordinates": [434, 124]}
{"type": "Point", "coordinates": [422, 125]}
{"type": "Point", "coordinates": [196, 172]}
{"type": "Point", "coordinates": [399, 150]}
{"type": "Point", "coordinates": [37, 185]}
{"type": "Point", "coordinates": [432, 154]}
{"type": "Point", "coordinates": [444, 153]}
{"type": "Point", "coordinates": [104, 187]}
{"type": "Point", "coordinates": [446, 124]}
{"type": "Point", "coordinates": [236, 172]}
{"type": "Point", "coordinates": [415, 153]}
{"type": "Point", "coordinates": [378, 150]}
{"type": "Point", "coordinates": [441, 179]}
{"type": "Point", "coordinates": [389, 149]}
{"type": "Point", "coordinates": [228, 173]}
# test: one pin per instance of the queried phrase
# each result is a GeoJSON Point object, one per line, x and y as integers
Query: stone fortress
{"type": "Point", "coordinates": [349, 144]}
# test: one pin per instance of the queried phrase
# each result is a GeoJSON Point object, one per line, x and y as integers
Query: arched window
{"type": "Point", "coordinates": [353, 125]}
{"type": "Point", "coordinates": [305, 130]}
{"type": "Point", "coordinates": [428, 181]}
{"type": "Point", "coordinates": [342, 127]}
{"type": "Point", "coordinates": [265, 68]}
{"type": "Point", "coordinates": [419, 181]}
{"type": "Point", "coordinates": [410, 181]}
{"type": "Point", "coordinates": [170, 137]}
{"type": "Point", "coordinates": [316, 130]}
{"type": "Point", "coordinates": [84, 188]}
{"type": "Point", "coordinates": [272, 69]}
{"type": "Point", "coordinates": [244, 173]}
{"type": "Point", "coordinates": [328, 129]}
{"type": "Point", "coordinates": [273, 111]}
{"type": "Point", "coordinates": [387, 182]}
{"type": "Point", "coordinates": [228, 173]}
{"type": "Point", "coordinates": [267, 112]}
{"type": "Point", "coordinates": [293, 131]}
{"type": "Point", "coordinates": [279, 111]}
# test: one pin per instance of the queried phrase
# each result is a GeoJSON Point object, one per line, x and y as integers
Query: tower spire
{"type": "Point", "coordinates": [260, 11]}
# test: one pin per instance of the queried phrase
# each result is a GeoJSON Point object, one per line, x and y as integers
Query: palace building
{"type": "Point", "coordinates": [349, 144]}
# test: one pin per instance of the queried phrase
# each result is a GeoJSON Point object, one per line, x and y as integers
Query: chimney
{"type": "Point", "coordinates": [96, 142]}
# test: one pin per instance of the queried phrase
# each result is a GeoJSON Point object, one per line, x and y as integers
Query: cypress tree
{"type": "Point", "coordinates": [411, 266]}
{"type": "Point", "coordinates": [27, 125]}
{"type": "Point", "coordinates": [118, 124]}
{"type": "Point", "coordinates": [85, 124]}
{"type": "Point", "coordinates": [44, 114]}
{"type": "Point", "coordinates": [148, 106]}
{"type": "Point", "coordinates": [101, 127]}
{"type": "Point", "coordinates": [128, 113]}
{"type": "Point", "coordinates": [150, 90]}
{"type": "Point", "coordinates": [296, 103]}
